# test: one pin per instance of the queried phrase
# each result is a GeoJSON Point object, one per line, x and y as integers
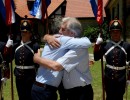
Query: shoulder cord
{"type": "Point", "coordinates": [116, 45]}
{"type": "Point", "coordinates": [25, 44]}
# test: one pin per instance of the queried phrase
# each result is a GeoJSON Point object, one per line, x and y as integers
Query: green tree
{"type": "Point", "coordinates": [92, 32]}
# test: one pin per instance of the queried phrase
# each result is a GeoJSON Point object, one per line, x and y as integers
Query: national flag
{"type": "Point", "coordinates": [2, 10]}
{"type": "Point", "coordinates": [97, 7]}
{"type": "Point", "coordinates": [7, 11]}
{"type": "Point", "coordinates": [39, 8]}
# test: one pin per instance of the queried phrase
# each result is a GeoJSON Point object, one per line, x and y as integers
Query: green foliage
{"type": "Point", "coordinates": [92, 32]}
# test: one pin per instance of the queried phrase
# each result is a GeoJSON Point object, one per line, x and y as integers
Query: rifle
{"type": "Point", "coordinates": [102, 69]}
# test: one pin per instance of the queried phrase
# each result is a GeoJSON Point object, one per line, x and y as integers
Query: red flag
{"type": "Point", "coordinates": [9, 12]}
{"type": "Point", "coordinates": [97, 7]}
{"type": "Point", "coordinates": [100, 12]}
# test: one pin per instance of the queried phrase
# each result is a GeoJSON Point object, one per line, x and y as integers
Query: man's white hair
{"type": "Point", "coordinates": [73, 25]}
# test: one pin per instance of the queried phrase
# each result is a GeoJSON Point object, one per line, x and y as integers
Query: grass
{"type": "Point", "coordinates": [97, 83]}
{"type": "Point", "coordinates": [7, 89]}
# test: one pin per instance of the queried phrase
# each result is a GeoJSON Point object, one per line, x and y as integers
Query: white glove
{"type": "Point", "coordinates": [4, 79]}
{"type": "Point", "coordinates": [128, 81]}
{"type": "Point", "coordinates": [99, 40]}
{"type": "Point", "coordinates": [9, 42]}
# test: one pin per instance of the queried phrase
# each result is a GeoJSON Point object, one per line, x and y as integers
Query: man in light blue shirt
{"type": "Point", "coordinates": [49, 75]}
{"type": "Point", "coordinates": [77, 76]}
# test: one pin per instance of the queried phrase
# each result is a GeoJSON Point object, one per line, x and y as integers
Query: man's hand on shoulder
{"type": "Point", "coordinates": [51, 40]}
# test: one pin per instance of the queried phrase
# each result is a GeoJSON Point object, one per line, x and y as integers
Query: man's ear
{"type": "Point", "coordinates": [72, 34]}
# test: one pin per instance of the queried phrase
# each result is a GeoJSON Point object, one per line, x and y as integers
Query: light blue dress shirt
{"type": "Point", "coordinates": [76, 65]}
{"type": "Point", "coordinates": [51, 77]}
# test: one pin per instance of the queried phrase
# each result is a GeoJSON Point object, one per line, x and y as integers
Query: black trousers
{"type": "Point", "coordinates": [114, 89]}
{"type": "Point", "coordinates": [62, 92]}
{"type": "Point", "coordinates": [24, 86]}
{"type": "Point", "coordinates": [43, 92]}
{"type": "Point", "coordinates": [80, 93]}
{"type": "Point", "coordinates": [24, 81]}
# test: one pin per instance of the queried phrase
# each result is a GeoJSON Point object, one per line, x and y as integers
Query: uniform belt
{"type": "Point", "coordinates": [25, 67]}
{"type": "Point", "coordinates": [115, 67]}
{"type": "Point", "coordinates": [45, 86]}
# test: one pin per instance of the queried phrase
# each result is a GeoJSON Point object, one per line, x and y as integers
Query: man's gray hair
{"type": "Point", "coordinates": [55, 25]}
{"type": "Point", "coordinates": [73, 25]}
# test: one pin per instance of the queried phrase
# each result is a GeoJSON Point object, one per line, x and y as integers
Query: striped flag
{"type": "Point", "coordinates": [7, 11]}
{"type": "Point", "coordinates": [97, 7]}
{"type": "Point", "coordinates": [39, 9]}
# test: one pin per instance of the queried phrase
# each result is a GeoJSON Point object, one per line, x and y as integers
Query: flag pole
{"type": "Point", "coordinates": [103, 86]}
{"type": "Point", "coordinates": [11, 70]}
{"type": "Point", "coordinates": [9, 14]}
{"type": "Point", "coordinates": [99, 19]}
{"type": "Point", "coordinates": [102, 70]}
{"type": "Point", "coordinates": [9, 50]}
{"type": "Point", "coordinates": [47, 30]}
